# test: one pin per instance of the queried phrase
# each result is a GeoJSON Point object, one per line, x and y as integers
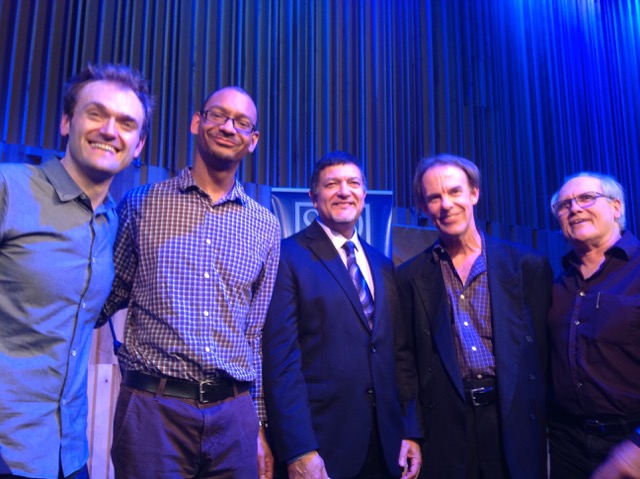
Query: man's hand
{"type": "Point", "coordinates": [623, 463]}
{"type": "Point", "coordinates": [309, 466]}
{"type": "Point", "coordinates": [265, 458]}
{"type": "Point", "coordinates": [410, 459]}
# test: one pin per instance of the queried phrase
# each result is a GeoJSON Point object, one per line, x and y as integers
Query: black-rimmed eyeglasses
{"type": "Point", "coordinates": [583, 200]}
{"type": "Point", "coordinates": [216, 117]}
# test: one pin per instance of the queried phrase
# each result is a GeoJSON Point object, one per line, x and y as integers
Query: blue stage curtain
{"type": "Point", "coordinates": [531, 90]}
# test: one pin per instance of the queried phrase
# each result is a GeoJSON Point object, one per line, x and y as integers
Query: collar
{"type": "Point", "coordinates": [625, 248]}
{"type": "Point", "coordinates": [66, 188]}
{"type": "Point", "coordinates": [440, 253]}
{"type": "Point", "coordinates": [235, 195]}
{"type": "Point", "coordinates": [337, 239]}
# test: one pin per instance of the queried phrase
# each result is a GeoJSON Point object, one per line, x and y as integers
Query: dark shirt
{"type": "Point", "coordinates": [594, 334]}
{"type": "Point", "coordinates": [470, 308]}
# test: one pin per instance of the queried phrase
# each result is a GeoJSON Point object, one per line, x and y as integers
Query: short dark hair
{"type": "Point", "coordinates": [470, 170]}
{"type": "Point", "coordinates": [120, 74]}
{"type": "Point", "coordinates": [332, 159]}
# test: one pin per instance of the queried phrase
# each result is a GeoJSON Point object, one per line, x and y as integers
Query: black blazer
{"type": "Point", "coordinates": [520, 293]}
{"type": "Point", "coordinates": [323, 367]}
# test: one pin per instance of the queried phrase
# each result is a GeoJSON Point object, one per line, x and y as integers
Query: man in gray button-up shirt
{"type": "Point", "coordinates": [57, 228]}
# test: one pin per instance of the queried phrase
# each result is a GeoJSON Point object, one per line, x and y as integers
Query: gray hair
{"type": "Point", "coordinates": [610, 188]}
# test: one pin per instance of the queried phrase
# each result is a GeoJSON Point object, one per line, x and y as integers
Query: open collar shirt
{"type": "Point", "coordinates": [197, 277]}
{"type": "Point", "coordinates": [471, 314]}
{"type": "Point", "coordinates": [594, 335]}
{"type": "Point", "coordinates": [55, 273]}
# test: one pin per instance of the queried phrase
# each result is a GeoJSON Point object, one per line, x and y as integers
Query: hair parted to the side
{"type": "Point", "coordinates": [122, 75]}
{"type": "Point", "coordinates": [470, 170]}
{"type": "Point", "coordinates": [332, 159]}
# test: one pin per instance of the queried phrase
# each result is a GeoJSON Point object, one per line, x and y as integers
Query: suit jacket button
{"type": "Point", "coordinates": [369, 390]}
{"type": "Point", "coordinates": [373, 349]}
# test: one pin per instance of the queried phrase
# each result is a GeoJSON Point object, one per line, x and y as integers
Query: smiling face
{"type": "Point", "coordinates": [448, 201]}
{"type": "Point", "coordinates": [339, 198]}
{"type": "Point", "coordinates": [221, 146]}
{"type": "Point", "coordinates": [104, 132]}
{"type": "Point", "coordinates": [592, 227]}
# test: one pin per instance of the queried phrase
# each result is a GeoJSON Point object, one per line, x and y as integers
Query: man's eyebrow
{"type": "Point", "coordinates": [119, 116]}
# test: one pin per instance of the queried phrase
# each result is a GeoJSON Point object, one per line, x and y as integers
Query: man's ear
{"type": "Point", "coordinates": [475, 195]}
{"type": "Point", "coordinates": [65, 125]}
{"type": "Point", "coordinates": [195, 123]}
{"type": "Point", "coordinates": [254, 141]}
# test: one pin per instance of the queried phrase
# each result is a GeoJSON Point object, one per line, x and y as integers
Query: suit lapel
{"type": "Point", "coordinates": [506, 314]}
{"type": "Point", "coordinates": [430, 287]}
{"type": "Point", "coordinates": [322, 247]}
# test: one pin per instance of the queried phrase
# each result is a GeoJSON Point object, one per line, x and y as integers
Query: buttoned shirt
{"type": "Point", "coordinates": [470, 308]}
{"type": "Point", "coordinates": [55, 272]}
{"type": "Point", "coordinates": [197, 277]}
{"type": "Point", "coordinates": [361, 258]}
{"type": "Point", "coordinates": [594, 335]}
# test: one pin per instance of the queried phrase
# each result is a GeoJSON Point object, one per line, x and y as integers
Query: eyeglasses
{"type": "Point", "coordinates": [583, 200]}
{"type": "Point", "coordinates": [215, 117]}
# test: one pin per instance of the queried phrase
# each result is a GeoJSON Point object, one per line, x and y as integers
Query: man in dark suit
{"type": "Point", "coordinates": [474, 311]}
{"type": "Point", "coordinates": [329, 371]}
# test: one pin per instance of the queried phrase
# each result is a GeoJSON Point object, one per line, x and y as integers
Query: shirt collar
{"type": "Point", "coordinates": [337, 239]}
{"type": "Point", "coordinates": [66, 188]}
{"type": "Point", "coordinates": [625, 248]}
{"type": "Point", "coordinates": [440, 253]}
{"type": "Point", "coordinates": [237, 194]}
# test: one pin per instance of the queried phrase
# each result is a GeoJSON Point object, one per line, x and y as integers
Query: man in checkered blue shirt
{"type": "Point", "coordinates": [196, 260]}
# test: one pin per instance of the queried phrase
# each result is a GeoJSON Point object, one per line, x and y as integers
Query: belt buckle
{"type": "Point", "coordinates": [472, 393]}
{"type": "Point", "coordinates": [203, 389]}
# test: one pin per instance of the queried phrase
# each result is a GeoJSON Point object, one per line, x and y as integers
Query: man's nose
{"type": "Point", "coordinates": [228, 125]}
{"type": "Point", "coordinates": [109, 128]}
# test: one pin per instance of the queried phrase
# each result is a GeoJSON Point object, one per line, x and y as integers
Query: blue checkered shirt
{"type": "Point", "coordinates": [197, 277]}
{"type": "Point", "coordinates": [470, 308]}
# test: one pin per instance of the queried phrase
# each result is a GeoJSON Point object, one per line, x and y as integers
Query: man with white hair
{"type": "Point", "coordinates": [594, 332]}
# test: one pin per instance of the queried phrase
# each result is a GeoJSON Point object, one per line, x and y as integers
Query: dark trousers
{"type": "Point", "coordinates": [170, 438]}
{"type": "Point", "coordinates": [576, 452]}
{"type": "Point", "coordinates": [484, 458]}
{"type": "Point", "coordinates": [375, 467]}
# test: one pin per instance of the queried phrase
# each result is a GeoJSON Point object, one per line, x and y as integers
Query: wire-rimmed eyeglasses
{"type": "Point", "coordinates": [583, 200]}
{"type": "Point", "coordinates": [216, 117]}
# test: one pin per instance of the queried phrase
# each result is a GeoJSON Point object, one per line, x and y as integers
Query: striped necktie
{"type": "Point", "coordinates": [366, 300]}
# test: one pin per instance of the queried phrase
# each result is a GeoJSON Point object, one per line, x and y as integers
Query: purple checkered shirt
{"type": "Point", "coordinates": [197, 277]}
{"type": "Point", "coordinates": [471, 312]}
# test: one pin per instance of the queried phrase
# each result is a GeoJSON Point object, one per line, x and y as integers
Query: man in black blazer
{"type": "Point", "coordinates": [329, 371]}
{"type": "Point", "coordinates": [474, 311]}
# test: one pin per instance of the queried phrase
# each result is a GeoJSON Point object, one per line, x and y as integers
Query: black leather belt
{"type": "Point", "coordinates": [604, 427]}
{"type": "Point", "coordinates": [204, 392]}
{"type": "Point", "coordinates": [481, 392]}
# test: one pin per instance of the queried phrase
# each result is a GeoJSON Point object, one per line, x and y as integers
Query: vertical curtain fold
{"type": "Point", "coordinates": [531, 90]}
